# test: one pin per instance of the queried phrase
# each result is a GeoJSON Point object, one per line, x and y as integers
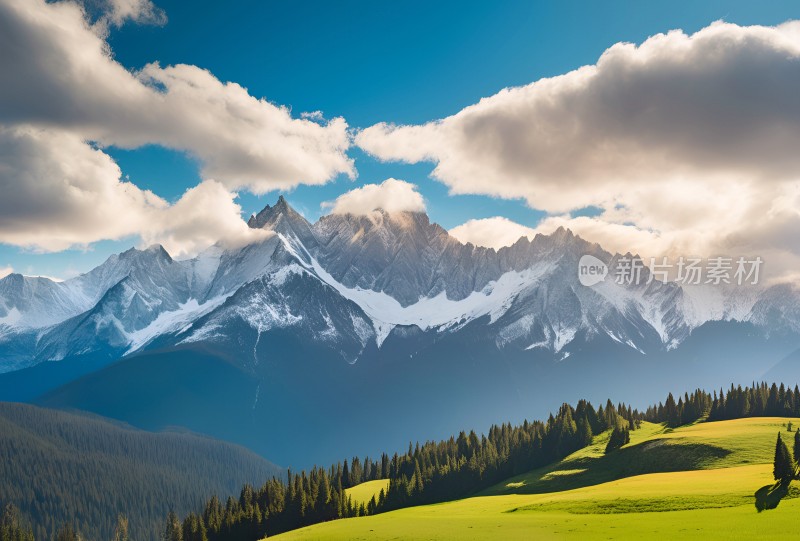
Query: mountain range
{"type": "Point", "coordinates": [300, 344]}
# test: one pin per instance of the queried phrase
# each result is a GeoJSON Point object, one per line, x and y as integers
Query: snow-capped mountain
{"type": "Point", "coordinates": [348, 281]}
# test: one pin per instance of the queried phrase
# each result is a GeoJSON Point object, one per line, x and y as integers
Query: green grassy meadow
{"type": "Point", "coordinates": [365, 491]}
{"type": "Point", "coordinates": [703, 481]}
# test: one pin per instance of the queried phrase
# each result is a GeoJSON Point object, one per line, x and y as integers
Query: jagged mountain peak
{"type": "Point", "coordinates": [14, 278]}
{"type": "Point", "coordinates": [285, 220]}
{"type": "Point", "coordinates": [269, 215]}
{"type": "Point", "coordinates": [396, 224]}
{"type": "Point", "coordinates": [138, 257]}
{"type": "Point", "coordinates": [156, 250]}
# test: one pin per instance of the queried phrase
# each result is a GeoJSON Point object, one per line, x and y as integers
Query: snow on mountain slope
{"type": "Point", "coordinates": [401, 254]}
{"type": "Point", "coordinates": [287, 297]}
{"type": "Point", "coordinates": [172, 321]}
{"type": "Point", "coordinates": [355, 279]}
{"type": "Point", "coordinates": [40, 302]}
{"type": "Point", "coordinates": [440, 312]}
{"type": "Point", "coordinates": [35, 302]}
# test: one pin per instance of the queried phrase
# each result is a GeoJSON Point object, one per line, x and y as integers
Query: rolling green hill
{"type": "Point", "coordinates": [365, 491]}
{"type": "Point", "coordinates": [706, 480]}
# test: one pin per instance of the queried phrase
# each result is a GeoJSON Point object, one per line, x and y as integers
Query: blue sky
{"type": "Point", "coordinates": [402, 62]}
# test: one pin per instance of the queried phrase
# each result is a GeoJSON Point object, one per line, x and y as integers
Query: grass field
{"type": "Point", "coordinates": [705, 481]}
{"type": "Point", "coordinates": [365, 491]}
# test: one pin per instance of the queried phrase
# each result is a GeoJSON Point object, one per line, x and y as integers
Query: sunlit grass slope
{"type": "Point", "coordinates": [365, 491]}
{"type": "Point", "coordinates": [698, 482]}
{"type": "Point", "coordinates": [655, 449]}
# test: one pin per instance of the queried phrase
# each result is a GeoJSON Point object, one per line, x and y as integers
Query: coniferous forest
{"type": "Point", "coordinates": [62, 470]}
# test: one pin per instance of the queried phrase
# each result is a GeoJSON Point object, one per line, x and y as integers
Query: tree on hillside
{"type": "Point", "coordinates": [173, 530]}
{"type": "Point", "coordinates": [584, 432]}
{"type": "Point", "coordinates": [672, 414]}
{"type": "Point", "coordinates": [783, 469]}
{"type": "Point", "coordinates": [193, 528]}
{"type": "Point", "coordinates": [121, 531]}
{"type": "Point", "coordinates": [620, 436]}
{"type": "Point", "coordinates": [797, 447]}
{"type": "Point", "coordinates": [68, 533]}
{"type": "Point", "coordinates": [10, 528]}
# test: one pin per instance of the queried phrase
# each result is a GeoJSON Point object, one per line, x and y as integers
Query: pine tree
{"type": "Point", "coordinates": [619, 436]}
{"type": "Point", "coordinates": [68, 533]}
{"type": "Point", "coordinates": [121, 531]}
{"type": "Point", "coordinates": [173, 530]}
{"type": "Point", "coordinates": [10, 528]}
{"type": "Point", "coordinates": [671, 412]}
{"type": "Point", "coordinates": [783, 468]}
{"type": "Point", "coordinates": [797, 446]}
{"type": "Point", "coordinates": [584, 432]}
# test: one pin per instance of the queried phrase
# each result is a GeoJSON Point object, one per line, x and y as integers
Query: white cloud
{"type": "Point", "coordinates": [204, 215]}
{"type": "Point", "coordinates": [494, 232]}
{"type": "Point", "coordinates": [719, 104]}
{"type": "Point", "coordinates": [5, 271]}
{"type": "Point", "coordinates": [62, 88]}
{"type": "Point", "coordinates": [685, 142]}
{"type": "Point", "coordinates": [59, 73]}
{"type": "Point", "coordinates": [391, 195]}
{"type": "Point", "coordinates": [497, 232]}
{"type": "Point", "coordinates": [59, 192]}
{"type": "Point", "coordinates": [137, 11]}
{"type": "Point", "coordinates": [117, 12]}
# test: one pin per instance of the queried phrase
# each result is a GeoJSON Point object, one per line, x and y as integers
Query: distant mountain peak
{"type": "Point", "coordinates": [284, 220]}
{"type": "Point", "coordinates": [269, 215]}
{"type": "Point", "coordinates": [154, 250]}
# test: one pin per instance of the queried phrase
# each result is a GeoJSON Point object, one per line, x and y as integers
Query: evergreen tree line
{"type": "Point", "coordinates": [427, 473]}
{"type": "Point", "coordinates": [278, 506]}
{"type": "Point", "coordinates": [462, 465]}
{"type": "Point", "coordinates": [758, 400]}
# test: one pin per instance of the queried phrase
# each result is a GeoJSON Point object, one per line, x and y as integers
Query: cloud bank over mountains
{"type": "Point", "coordinates": [64, 97]}
{"type": "Point", "coordinates": [685, 141]}
{"type": "Point", "coordinates": [59, 191]}
{"type": "Point", "coordinates": [391, 195]}
{"type": "Point", "coordinates": [685, 144]}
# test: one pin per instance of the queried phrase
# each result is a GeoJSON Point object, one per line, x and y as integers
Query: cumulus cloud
{"type": "Point", "coordinates": [494, 232]}
{"type": "Point", "coordinates": [60, 192]}
{"type": "Point", "coordinates": [204, 215]}
{"type": "Point", "coordinates": [498, 231]}
{"type": "Point", "coordinates": [5, 271]}
{"type": "Point", "coordinates": [719, 103]}
{"type": "Point", "coordinates": [64, 98]}
{"type": "Point", "coordinates": [59, 73]}
{"type": "Point", "coordinates": [685, 142]}
{"type": "Point", "coordinates": [391, 195]}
